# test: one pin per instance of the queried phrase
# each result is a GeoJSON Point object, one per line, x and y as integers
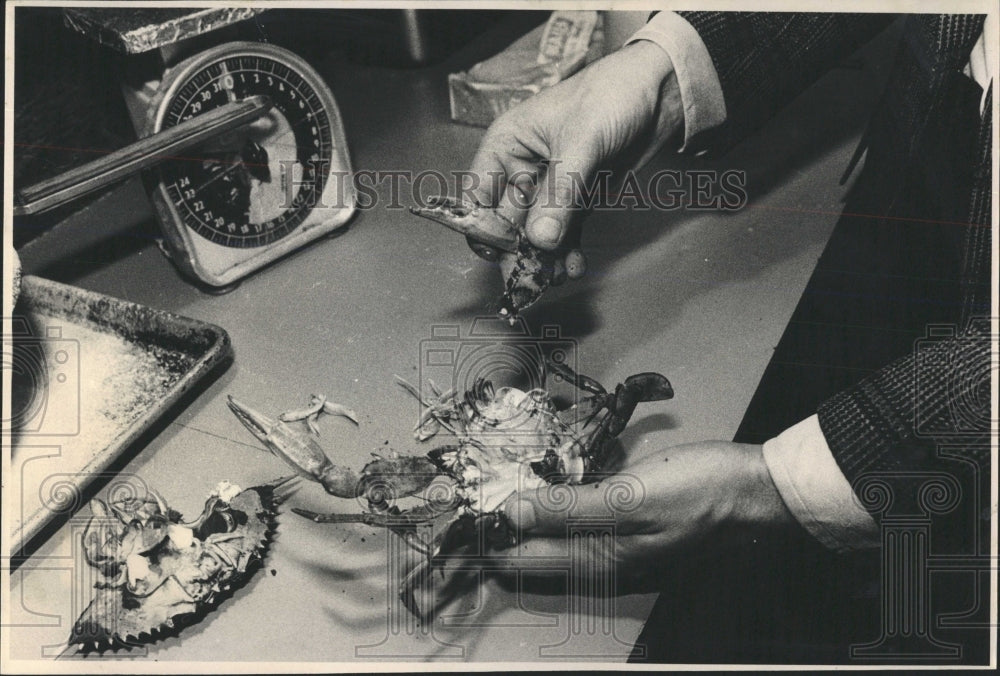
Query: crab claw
{"type": "Point", "coordinates": [259, 424]}
{"type": "Point", "coordinates": [649, 387]}
{"type": "Point", "coordinates": [638, 388]}
{"type": "Point", "coordinates": [301, 452]}
{"type": "Point", "coordinates": [578, 380]}
{"type": "Point", "coordinates": [534, 269]}
{"type": "Point", "coordinates": [476, 222]}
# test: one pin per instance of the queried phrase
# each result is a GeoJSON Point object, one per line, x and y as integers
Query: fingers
{"type": "Point", "coordinates": [513, 207]}
{"type": "Point", "coordinates": [505, 175]}
{"type": "Point", "coordinates": [482, 181]}
{"type": "Point", "coordinates": [501, 160]}
{"type": "Point", "coordinates": [535, 560]}
{"type": "Point", "coordinates": [516, 200]}
{"type": "Point", "coordinates": [565, 177]}
{"type": "Point", "coordinates": [548, 510]}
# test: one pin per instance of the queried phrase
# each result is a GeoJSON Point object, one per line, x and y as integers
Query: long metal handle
{"type": "Point", "coordinates": [142, 154]}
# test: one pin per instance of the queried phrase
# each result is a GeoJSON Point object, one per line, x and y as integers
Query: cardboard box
{"type": "Point", "coordinates": [549, 54]}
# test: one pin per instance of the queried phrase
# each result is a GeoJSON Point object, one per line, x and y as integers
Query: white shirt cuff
{"type": "Point", "coordinates": [983, 57]}
{"type": "Point", "coordinates": [701, 93]}
{"type": "Point", "coordinates": [815, 490]}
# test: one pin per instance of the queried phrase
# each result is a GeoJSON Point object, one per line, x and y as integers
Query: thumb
{"type": "Point", "coordinates": [547, 510]}
{"type": "Point", "coordinates": [566, 178]}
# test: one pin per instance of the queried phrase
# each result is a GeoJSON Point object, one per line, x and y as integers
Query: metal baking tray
{"type": "Point", "coordinates": [89, 375]}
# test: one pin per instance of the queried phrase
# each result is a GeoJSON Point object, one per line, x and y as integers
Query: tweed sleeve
{"type": "Point", "coordinates": [765, 59]}
{"type": "Point", "coordinates": [895, 420]}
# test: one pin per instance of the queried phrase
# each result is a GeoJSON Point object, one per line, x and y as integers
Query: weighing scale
{"type": "Point", "coordinates": [271, 174]}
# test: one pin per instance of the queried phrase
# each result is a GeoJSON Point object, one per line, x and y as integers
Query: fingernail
{"type": "Point", "coordinates": [525, 515]}
{"type": "Point", "coordinates": [546, 231]}
{"type": "Point", "coordinates": [576, 264]}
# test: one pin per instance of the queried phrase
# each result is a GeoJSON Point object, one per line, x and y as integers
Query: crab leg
{"type": "Point", "coordinates": [318, 404]}
{"type": "Point", "coordinates": [301, 452]}
{"type": "Point", "coordinates": [408, 585]}
{"type": "Point", "coordinates": [532, 274]}
{"type": "Point", "coordinates": [435, 411]}
{"type": "Point", "coordinates": [578, 380]}
{"type": "Point", "coordinates": [636, 389]}
{"type": "Point", "coordinates": [412, 580]}
{"type": "Point", "coordinates": [336, 409]}
{"type": "Point", "coordinates": [401, 523]}
{"type": "Point", "coordinates": [387, 519]}
{"type": "Point", "coordinates": [303, 414]}
{"type": "Point", "coordinates": [380, 481]}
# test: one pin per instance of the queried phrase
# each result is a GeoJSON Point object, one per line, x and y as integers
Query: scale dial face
{"type": "Point", "coordinates": [263, 187]}
{"type": "Point", "coordinates": [254, 190]}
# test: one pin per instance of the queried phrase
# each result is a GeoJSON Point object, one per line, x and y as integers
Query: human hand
{"type": "Point", "coordinates": [697, 496]}
{"type": "Point", "coordinates": [615, 113]}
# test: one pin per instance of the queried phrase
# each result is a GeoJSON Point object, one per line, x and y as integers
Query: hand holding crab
{"type": "Point", "coordinates": [541, 152]}
{"type": "Point", "coordinates": [507, 440]}
{"type": "Point", "coordinates": [696, 497]}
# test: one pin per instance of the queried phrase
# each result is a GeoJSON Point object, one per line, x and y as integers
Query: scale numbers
{"type": "Point", "coordinates": [260, 185]}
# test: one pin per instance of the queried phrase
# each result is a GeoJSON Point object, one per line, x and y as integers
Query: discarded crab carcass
{"type": "Point", "coordinates": [157, 573]}
{"type": "Point", "coordinates": [507, 440]}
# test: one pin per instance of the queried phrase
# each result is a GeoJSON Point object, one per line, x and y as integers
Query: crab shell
{"type": "Point", "coordinates": [497, 446]}
{"type": "Point", "coordinates": [143, 593]}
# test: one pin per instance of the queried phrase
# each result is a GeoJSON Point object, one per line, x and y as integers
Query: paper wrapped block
{"type": "Point", "coordinates": [550, 53]}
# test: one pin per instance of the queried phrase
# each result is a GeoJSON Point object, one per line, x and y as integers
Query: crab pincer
{"type": "Point", "coordinates": [478, 223]}
{"type": "Point", "coordinates": [533, 270]}
{"type": "Point", "coordinates": [380, 481]}
{"type": "Point", "coordinates": [301, 452]}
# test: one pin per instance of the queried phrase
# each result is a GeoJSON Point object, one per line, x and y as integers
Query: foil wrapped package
{"type": "Point", "coordinates": [550, 53]}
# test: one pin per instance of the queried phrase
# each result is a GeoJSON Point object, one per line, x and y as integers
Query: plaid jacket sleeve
{"type": "Point", "coordinates": [765, 59]}
{"type": "Point", "coordinates": [896, 418]}
{"type": "Point", "coordinates": [938, 396]}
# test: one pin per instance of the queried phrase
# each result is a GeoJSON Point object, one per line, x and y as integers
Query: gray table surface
{"type": "Point", "coordinates": [699, 296]}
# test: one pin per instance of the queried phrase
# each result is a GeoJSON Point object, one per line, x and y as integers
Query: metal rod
{"type": "Point", "coordinates": [142, 154]}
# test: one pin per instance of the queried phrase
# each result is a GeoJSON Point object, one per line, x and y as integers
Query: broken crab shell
{"type": "Point", "coordinates": [179, 572]}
